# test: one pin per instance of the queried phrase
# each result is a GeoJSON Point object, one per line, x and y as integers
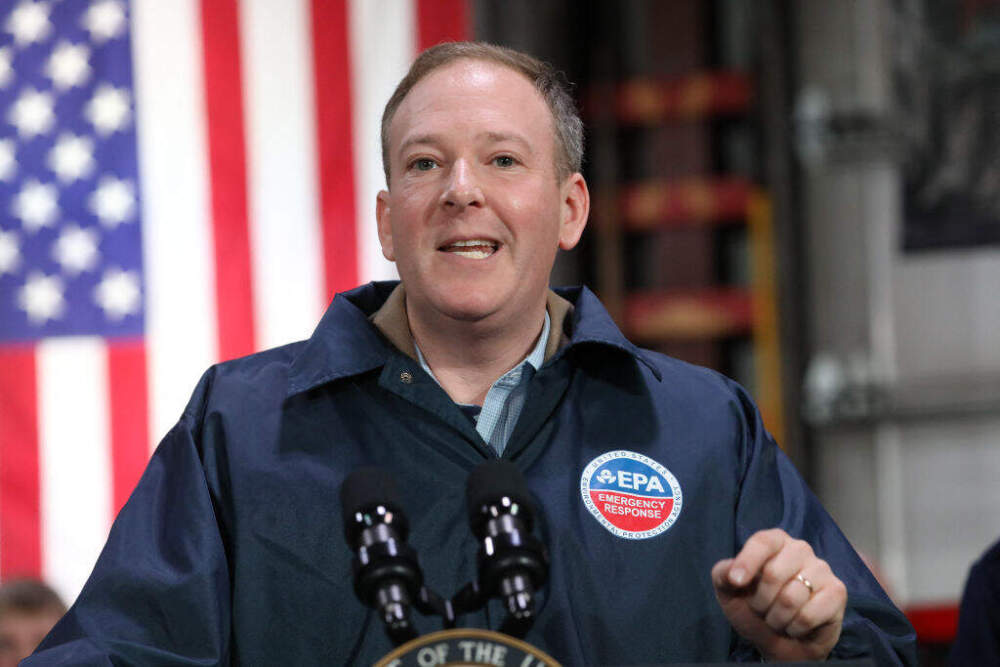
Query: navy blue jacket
{"type": "Point", "coordinates": [231, 548]}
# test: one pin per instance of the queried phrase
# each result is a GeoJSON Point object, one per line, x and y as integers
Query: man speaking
{"type": "Point", "coordinates": [677, 531]}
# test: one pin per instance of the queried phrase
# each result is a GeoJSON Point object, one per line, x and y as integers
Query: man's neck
{"type": "Point", "coordinates": [468, 357]}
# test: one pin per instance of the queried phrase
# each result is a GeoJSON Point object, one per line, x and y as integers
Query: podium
{"type": "Point", "coordinates": [472, 647]}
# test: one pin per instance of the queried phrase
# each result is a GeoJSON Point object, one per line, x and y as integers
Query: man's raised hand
{"type": "Point", "coordinates": [781, 597]}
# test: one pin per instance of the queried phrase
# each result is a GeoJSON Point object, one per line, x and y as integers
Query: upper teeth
{"type": "Point", "coordinates": [472, 248]}
{"type": "Point", "coordinates": [472, 242]}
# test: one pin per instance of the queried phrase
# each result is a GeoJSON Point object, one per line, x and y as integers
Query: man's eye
{"type": "Point", "coordinates": [503, 161]}
{"type": "Point", "coordinates": [424, 164]}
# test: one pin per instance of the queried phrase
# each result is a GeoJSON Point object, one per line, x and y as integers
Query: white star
{"type": "Point", "coordinates": [76, 249]}
{"type": "Point", "coordinates": [72, 157]}
{"type": "Point", "coordinates": [68, 65]}
{"type": "Point", "coordinates": [29, 22]}
{"type": "Point", "coordinates": [6, 70]}
{"type": "Point", "coordinates": [41, 298]}
{"type": "Point", "coordinates": [108, 110]}
{"type": "Point", "coordinates": [118, 293]}
{"type": "Point", "coordinates": [8, 159]}
{"type": "Point", "coordinates": [32, 113]}
{"type": "Point", "coordinates": [105, 19]}
{"type": "Point", "coordinates": [113, 202]}
{"type": "Point", "coordinates": [10, 252]}
{"type": "Point", "coordinates": [36, 205]}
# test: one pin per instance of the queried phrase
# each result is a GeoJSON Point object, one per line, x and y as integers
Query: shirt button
{"type": "Point", "coordinates": [406, 377]}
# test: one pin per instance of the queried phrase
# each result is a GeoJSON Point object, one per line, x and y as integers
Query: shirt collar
{"type": "Point", "coordinates": [364, 326]}
{"type": "Point", "coordinates": [537, 355]}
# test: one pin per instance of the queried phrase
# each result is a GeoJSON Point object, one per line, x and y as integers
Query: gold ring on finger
{"type": "Point", "coordinates": [805, 582]}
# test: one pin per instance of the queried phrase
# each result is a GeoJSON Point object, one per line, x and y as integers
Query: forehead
{"type": "Point", "coordinates": [472, 94]}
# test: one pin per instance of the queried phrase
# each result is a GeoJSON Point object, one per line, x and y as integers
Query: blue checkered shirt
{"type": "Point", "coordinates": [505, 399]}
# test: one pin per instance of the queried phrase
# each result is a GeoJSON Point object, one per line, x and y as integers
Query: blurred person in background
{"type": "Point", "coordinates": [28, 610]}
{"type": "Point", "coordinates": [978, 639]}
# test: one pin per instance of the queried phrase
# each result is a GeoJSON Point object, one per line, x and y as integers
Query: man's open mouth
{"type": "Point", "coordinates": [473, 248]}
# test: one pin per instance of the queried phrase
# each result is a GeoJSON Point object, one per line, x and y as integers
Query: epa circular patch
{"type": "Point", "coordinates": [631, 495]}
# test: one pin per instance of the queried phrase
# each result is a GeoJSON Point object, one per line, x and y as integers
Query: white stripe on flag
{"type": "Point", "coordinates": [177, 236]}
{"type": "Point", "coordinates": [377, 65]}
{"type": "Point", "coordinates": [286, 245]}
{"type": "Point", "coordinates": [74, 458]}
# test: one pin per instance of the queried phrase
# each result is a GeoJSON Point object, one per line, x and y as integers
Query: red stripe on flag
{"type": "Point", "coordinates": [20, 492]}
{"type": "Point", "coordinates": [129, 421]}
{"type": "Point", "coordinates": [334, 138]}
{"type": "Point", "coordinates": [441, 21]}
{"type": "Point", "coordinates": [227, 164]}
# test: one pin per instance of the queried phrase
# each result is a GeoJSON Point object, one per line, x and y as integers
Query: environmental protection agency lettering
{"type": "Point", "coordinates": [631, 495]}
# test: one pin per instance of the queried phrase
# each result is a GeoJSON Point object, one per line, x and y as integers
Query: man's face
{"type": "Point", "coordinates": [474, 214]}
{"type": "Point", "coordinates": [21, 632]}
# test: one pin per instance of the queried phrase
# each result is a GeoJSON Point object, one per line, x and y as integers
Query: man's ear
{"type": "Point", "coordinates": [384, 225]}
{"type": "Point", "coordinates": [575, 209]}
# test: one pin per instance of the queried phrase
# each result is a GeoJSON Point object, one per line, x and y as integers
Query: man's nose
{"type": "Point", "coordinates": [463, 187]}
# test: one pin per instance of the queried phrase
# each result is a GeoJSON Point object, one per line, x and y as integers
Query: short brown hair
{"type": "Point", "coordinates": [550, 83]}
{"type": "Point", "coordinates": [29, 596]}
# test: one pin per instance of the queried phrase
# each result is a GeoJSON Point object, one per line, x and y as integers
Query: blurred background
{"type": "Point", "coordinates": [802, 194]}
{"type": "Point", "coordinates": [805, 195]}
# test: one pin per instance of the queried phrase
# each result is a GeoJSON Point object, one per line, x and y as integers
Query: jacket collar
{"type": "Point", "coordinates": [344, 342]}
{"type": "Point", "coordinates": [592, 324]}
{"type": "Point", "coordinates": [353, 337]}
{"type": "Point", "coordinates": [390, 319]}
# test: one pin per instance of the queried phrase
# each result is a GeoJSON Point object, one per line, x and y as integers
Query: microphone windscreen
{"type": "Point", "coordinates": [366, 487]}
{"type": "Point", "coordinates": [494, 479]}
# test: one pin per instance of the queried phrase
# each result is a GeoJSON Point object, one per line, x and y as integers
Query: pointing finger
{"type": "Point", "coordinates": [720, 572]}
{"type": "Point", "coordinates": [758, 550]}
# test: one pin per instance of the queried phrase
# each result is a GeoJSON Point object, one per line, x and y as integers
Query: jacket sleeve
{"type": "Point", "coordinates": [159, 593]}
{"type": "Point", "coordinates": [773, 494]}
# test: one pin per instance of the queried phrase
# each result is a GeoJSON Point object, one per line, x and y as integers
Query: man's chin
{"type": "Point", "coordinates": [471, 308]}
{"type": "Point", "coordinates": [469, 313]}
{"type": "Point", "coordinates": [480, 306]}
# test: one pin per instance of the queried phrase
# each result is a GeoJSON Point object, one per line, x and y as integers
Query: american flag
{"type": "Point", "coordinates": [181, 182]}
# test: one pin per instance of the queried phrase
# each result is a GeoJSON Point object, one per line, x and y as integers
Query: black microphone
{"type": "Point", "coordinates": [513, 563]}
{"type": "Point", "coordinates": [387, 576]}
